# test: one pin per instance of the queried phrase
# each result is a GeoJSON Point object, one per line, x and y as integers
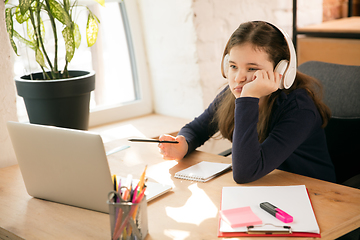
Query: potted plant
{"type": "Point", "coordinates": [58, 97]}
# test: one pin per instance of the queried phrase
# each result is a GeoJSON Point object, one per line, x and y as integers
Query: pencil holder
{"type": "Point", "coordinates": [128, 221]}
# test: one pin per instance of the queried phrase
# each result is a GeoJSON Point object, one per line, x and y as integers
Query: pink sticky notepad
{"type": "Point", "coordinates": [240, 217]}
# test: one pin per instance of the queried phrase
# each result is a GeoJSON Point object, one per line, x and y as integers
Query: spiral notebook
{"type": "Point", "coordinates": [203, 171]}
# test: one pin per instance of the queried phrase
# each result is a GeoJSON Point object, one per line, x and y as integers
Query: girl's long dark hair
{"type": "Point", "coordinates": [266, 38]}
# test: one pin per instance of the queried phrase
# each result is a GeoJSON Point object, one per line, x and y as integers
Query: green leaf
{"type": "Point", "coordinates": [13, 46]}
{"type": "Point", "coordinates": [96, 18]}
{"type": "Point", "coordinates": [91, 30]}
{"type": "Point", "coordinates": [101, 2]}
{"type": "Point", "coordinates": [77, 36]}
{"type": "Point", "coordinates": [28, 43]}
{"type": "Point", "coordinates": [30, 30]}
{"type": "Point", "coordinates": [24, 5]}
{"type": "Point", "coordinates": [20, 18]}
{"type": "Point", "coordinates": [59, 13]}
{"type": "Point", "coordinates": [42, 29]}
{"type": "Point", "coordinates": [93, 15]}
{"type": "Point", "coordinates": [40, 58]}
{"type": "Point", "coordinates": [68, 35]}
{"type": "Point", "coordinates": [9, 22]}
{"type": "Point", "coordinates": [10, 28]}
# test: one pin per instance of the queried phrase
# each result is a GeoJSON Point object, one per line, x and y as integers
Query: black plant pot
{"type": "Point", "coordinates": [61, 103]}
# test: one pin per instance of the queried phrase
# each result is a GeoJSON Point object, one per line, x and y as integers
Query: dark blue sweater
{"type": "Point", "coordinates": [296, 141]}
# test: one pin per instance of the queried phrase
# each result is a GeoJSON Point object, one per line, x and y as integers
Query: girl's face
{"type": "Point", "coordinates": [244, 61]}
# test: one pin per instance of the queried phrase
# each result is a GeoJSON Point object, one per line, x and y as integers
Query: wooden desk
{"type": "Point", "coordinates": [190, 211]}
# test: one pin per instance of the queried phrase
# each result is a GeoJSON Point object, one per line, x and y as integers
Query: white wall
{"type": "Point", "coordinates": [170, 40]}
{"type": "Point", "coordinates": [185, 40]}
{"type": "Point", "coordinates": [7, 94]}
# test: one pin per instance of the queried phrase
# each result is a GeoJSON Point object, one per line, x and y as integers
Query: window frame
{"type": "Point", "coordinates": [143, 103]}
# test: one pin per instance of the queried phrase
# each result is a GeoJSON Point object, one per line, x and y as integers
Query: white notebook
{"type": "Point", "coordinates": [203, 171]}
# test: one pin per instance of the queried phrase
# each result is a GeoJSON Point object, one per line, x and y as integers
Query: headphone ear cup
{"type": "Point", "coordinates": [226, 65]}
{"type": "Point", "coordinates": [281, 68]}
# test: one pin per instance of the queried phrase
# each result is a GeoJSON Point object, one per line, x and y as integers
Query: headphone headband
{"type": "Point", "coordinates": [291, 68]}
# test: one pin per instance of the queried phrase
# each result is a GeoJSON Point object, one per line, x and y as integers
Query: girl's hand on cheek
{"type": "Point", "coordinates": [263, 83]}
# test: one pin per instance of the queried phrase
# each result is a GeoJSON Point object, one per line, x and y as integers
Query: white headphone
{"type": "Point", "coordinates": [286, 68]}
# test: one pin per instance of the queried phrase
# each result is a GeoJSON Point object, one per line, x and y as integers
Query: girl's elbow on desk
{"type": "Point", "coordinates": [246, 172]}
{"type": "Point", "coordinates": [243, 177]}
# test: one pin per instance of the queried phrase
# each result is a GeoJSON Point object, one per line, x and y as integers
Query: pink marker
{"type": "Point", "coordinates": [276, 212]}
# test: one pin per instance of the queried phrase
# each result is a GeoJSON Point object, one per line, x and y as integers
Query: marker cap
{"type": "Point", "coordinates": [283, 216]}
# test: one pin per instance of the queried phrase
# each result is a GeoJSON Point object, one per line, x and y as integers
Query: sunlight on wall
{"type": "Point", "coordinates": [199, 211]}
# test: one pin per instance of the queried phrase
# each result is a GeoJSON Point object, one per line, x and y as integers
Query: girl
{"type": "Point", "coordinates": [269, 127]}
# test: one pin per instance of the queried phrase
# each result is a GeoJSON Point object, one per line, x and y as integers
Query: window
{"type": "Point", "coordinates": [122, 88]}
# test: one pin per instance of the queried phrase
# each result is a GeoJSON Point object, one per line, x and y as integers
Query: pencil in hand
{"type": "Point", "coordinates": [150, 140]}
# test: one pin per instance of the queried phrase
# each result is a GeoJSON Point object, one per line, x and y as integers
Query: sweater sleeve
{"type": "Point", "coordinates": [198, 131]}
{"type": "Point", "coordinates": [252, 160]}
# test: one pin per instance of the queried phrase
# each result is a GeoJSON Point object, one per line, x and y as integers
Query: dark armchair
{"type": "Point", "coordinates": [342, 94]}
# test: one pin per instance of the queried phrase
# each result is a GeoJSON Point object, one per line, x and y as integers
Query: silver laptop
{"type": "Point", "coordinates": [66, 166]}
